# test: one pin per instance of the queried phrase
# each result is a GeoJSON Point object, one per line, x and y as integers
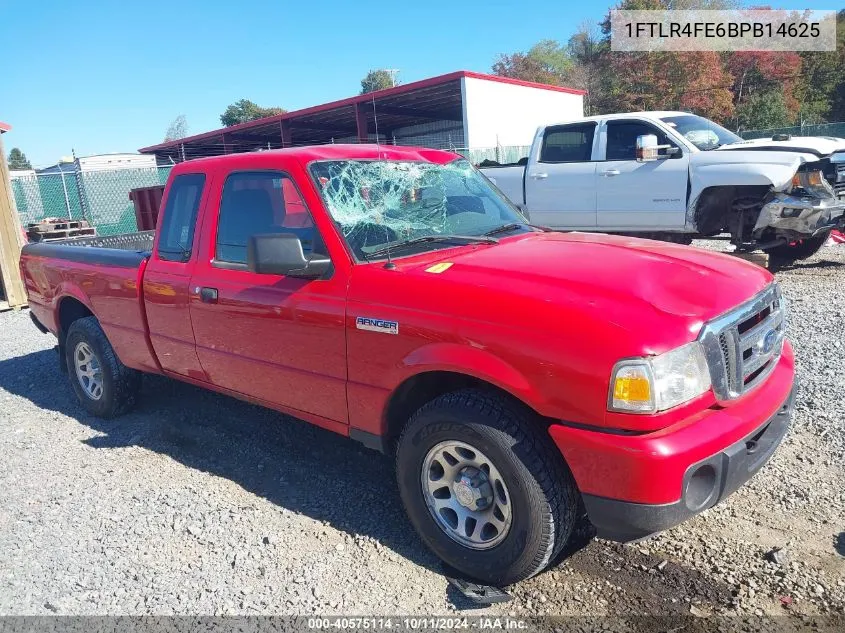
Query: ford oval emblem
{"type": "Point", "coordinates": [769, 341]}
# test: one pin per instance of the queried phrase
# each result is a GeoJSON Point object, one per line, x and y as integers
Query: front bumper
{"type": "Point", "coordinates": [705, 484]}
{"type": "Point", "coordinates": [800, 216]}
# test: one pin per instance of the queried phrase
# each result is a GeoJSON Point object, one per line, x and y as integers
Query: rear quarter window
{"type": "Point", "coordinates": [176, 230]}
{"type": "Point", "coordinates": [568, 143]}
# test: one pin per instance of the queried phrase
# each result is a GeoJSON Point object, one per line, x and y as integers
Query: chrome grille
{"type": "Point", "coordinates": [839, 181]}
{"type": "Point", "coordinates": [743, 346]}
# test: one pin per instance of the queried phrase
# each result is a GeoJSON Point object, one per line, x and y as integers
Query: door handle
{"type": "Point", "coordinates": [539, 175]}
{"type": "Point", "coordinates": [208, 295]}
{"type": "Point", "coordinates": [611, 172]}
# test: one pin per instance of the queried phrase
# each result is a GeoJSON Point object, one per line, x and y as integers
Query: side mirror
{"type": "Point", "coordinates": [647, 148]}
{"type": "Point", "coordinates": [282, 254]}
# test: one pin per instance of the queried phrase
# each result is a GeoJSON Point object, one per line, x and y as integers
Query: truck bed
{"type": "Point", "coordinates": [105, 276]}
{"type": "Point", "coordinates": [509, 180]}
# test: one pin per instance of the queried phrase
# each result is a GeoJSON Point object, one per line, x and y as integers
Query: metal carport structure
{"type": "Point", "coordinates": [431, 113]}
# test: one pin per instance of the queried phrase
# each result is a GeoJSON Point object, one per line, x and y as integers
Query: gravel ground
{"type": "Point", "coordinates": [199, 504]}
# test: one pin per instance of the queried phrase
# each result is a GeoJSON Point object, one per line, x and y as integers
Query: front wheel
{"type": "Point", "coordinates": [800, 249]}
{"type": "Point", "coordinates": [484, 487]}
{"type": "Point", "coordinates": [104, 386]}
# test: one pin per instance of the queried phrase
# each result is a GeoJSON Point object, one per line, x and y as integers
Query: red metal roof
{"type": "Point", "coordinates": [364, 98]}
{"type": "Point", "coordinates": [4, 127]}
{"type": "Point", "coordinates": [339, 151]}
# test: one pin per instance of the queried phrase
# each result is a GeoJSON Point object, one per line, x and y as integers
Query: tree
{"type": "Point", "coordinates": [378, 79]}
{"type": "Point", "coordinates": [246, 110]}
{"type": "Point", "coordinates": [177, 129]}
{"type": "Point", "coordinates": [547, 62]}
{"type": "Point", "coordinates": [552, 57]}
{"type": "Point", "coordinates": [739, 89]}
{"type": "Point", "coordinates": [820, 89]}
{"type": "Point", "coordinates": [588, 53]}
{"type": "Point", "coordinates": [695, 81]}
{"type": "Point", "coordinates": [18, 160]}
{"type": "Point", "coordinates": [705, 85]}
{"type": "Point", "coordinates": [759, 74]}
{"type": "Point", "coordinates": [763, 110]}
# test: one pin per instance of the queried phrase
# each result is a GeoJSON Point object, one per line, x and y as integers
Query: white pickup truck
{"type": "Point", "coordinates": [676, 176]}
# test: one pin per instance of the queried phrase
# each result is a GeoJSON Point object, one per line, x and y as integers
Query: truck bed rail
{"type": "Point", "coordinates": [125, 251]}
{"type": "Point", "coordinates": [138, 241]}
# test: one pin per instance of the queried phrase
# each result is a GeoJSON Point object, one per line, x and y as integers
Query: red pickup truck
{"type": "Point", "coordinates": [521, 377]}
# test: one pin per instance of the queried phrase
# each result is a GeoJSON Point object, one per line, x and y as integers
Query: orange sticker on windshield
{"type": "Point", "coordinates": [439, 268]}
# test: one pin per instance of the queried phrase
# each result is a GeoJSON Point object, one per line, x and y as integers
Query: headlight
{"type": "Point", "coordinates": [814, 183]}
{"type": "Point", "coordinates": [648, 385]}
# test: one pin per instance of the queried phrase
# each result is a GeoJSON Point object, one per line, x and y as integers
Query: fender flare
{"type": "Point", "coordinates": [476, 363]}
{"type": "Point", "coordinates": [68, 290]}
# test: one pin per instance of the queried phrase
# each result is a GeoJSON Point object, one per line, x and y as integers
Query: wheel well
{"type": "Point", "coordinates": [716, 207]}
{"type": "Point", "coordinates": [417, 390]}
{"type": "Point", "coordinates": [70, 310]}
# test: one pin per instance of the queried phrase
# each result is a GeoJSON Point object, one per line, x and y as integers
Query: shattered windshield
{"type": "Point", "coordinates": [382, 203]}
{"type": "Point", "coordinates": [701, 132]}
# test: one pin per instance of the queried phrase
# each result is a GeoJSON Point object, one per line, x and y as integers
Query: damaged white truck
{"type": "Point", "coordinates": [677, 176]}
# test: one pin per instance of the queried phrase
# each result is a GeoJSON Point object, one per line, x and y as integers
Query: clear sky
{"type": "Point", "coordinates": [110, 75]}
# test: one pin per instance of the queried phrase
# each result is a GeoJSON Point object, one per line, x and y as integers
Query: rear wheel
{"type": "Point", "coordinates": [800, 249]}
{"type": "Point", "coordinates": [104, 386]}
{"type": "Point", "coordinates": [484, 487]}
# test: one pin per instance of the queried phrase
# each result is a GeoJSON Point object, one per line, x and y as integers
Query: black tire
{"type": "Point", "coordinates": [119, 383]}
{"type": "Point", "coordinates": [542, 491]}
{"type": "Point", "coordinates": [802, 249]}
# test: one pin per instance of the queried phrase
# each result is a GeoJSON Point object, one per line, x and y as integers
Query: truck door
{"type": "Point", "coordinates": [640, 196]}
{"type": "Point", "coordinates": [275, 338]}
{"type": "Point", "coordinates": [168, 274]}
{"type": "Point", "coordinates": [560, 178]}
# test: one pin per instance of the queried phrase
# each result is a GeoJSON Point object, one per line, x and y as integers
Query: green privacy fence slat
{"type": "Point", "coordinates": [101, 197]}
{"type": "Point", "coordinates": [822, 129]}
{"type": "Point", "coordinates": [27, 198]}
{"type": "Point", "coordinates": [106, 197]}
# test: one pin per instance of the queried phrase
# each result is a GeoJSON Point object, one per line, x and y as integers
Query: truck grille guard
{"type": "Point", "coordinates": [743, 346]}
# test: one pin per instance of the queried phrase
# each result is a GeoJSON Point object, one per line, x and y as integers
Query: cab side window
{"type": "Point", "coordinates": [258, 203]}
{"type": "Point", "coordinates": [176, 233]}
{"type": "Point", "coordinates": [622, 139]}
{"type": "Point", "coordinates": [568, 143]}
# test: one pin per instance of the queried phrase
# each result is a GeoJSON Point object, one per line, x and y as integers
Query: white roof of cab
{"type": "Point", "coordinates": [652, 114]}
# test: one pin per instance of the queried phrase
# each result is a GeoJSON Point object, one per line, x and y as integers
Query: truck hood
{"type": "Point", "coordinates": [759, 162]}
{"type": "Point", "coordinates": [818, 146]}
{"type": "Point", "coordinates": [635, 284]}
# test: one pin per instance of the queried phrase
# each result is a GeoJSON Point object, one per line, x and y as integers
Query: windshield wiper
{"type": "Point", "coordinates": [513, 226]}
{"type": "Point", "coordinates": [505, 228]}
{"type": "Point", "coordinates": [457, 239]}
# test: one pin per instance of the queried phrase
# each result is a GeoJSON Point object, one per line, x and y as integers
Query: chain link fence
{"type": "Point", "coordinates": [822, 129]}
{"type": "Point", "coordinates": [100, 196]}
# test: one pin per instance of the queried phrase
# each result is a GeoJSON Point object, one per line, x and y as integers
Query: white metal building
{"type": "Point", "coordinates": [459, 110]}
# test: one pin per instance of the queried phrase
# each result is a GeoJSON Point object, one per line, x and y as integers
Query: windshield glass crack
{"type": "Point", "coordinates": [378, 203]}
